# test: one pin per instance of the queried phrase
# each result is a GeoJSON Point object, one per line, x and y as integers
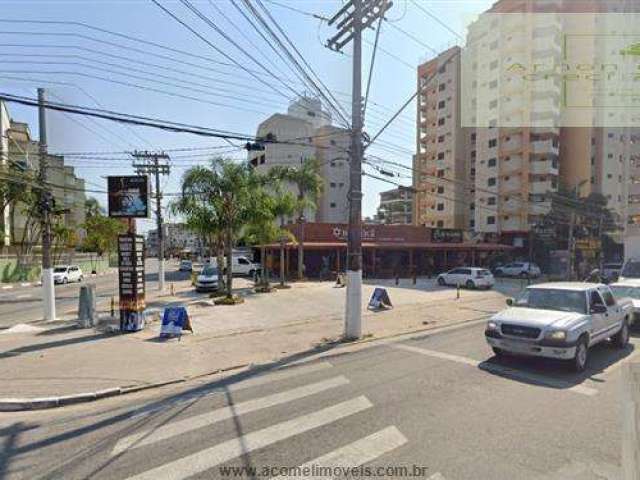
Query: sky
{"type": "Point", "coordinates": [184, 79]}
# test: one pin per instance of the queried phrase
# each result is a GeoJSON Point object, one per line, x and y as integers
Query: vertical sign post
{"type": "Point", "coordinates": [131, 282]}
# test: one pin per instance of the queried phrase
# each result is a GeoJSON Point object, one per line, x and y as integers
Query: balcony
{"type": "Point", "coordinates": [514, 205]}
{"type": "Point", "coordinates": [545, 147]}
{"type": "Point", "coordinates": [513, 165]}
{"type": "Point", "coordinates": [513, 223]}
{"type": "Point", "coordinates": [546, 167]}
{"type": "Point", "coordinates": [511, 146]}
{"type": "Point", "coordinates": [513, 185]}
{"type": "Point", "coordinates": [541, 187]}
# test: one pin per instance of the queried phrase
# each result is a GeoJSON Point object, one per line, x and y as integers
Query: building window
{"type": "Point", "coordinates": [441, 156]}
{"type": "Point", "coordinates": [493, 104]}
{"type": "Point", "coordinates": [610, 135]}
{"type": "Point", "coordinates": [440, 224]}
{"type": "Point", "coordinates": [493, 65]}
{"type": "Point", "coordinates": [493, 84]}
{"type": "Point", "coordinates": [332, 204]}
{"type": "Point", "coordinates": [441, 87]}
{"type": "Point", "coordinates": [473, 137]}
{"type": "Point", "coordinates": [333, 142]}
{"type": "Point", "coordinates": [443, 68]}
{"type": "Point", "coordinates": [332, 184]}
{"type": "Point", "coordinates": [491, 201]}
{"type": "Point", "coordinates": [441, 121]}
{"type": "Point", "coordinates": [491, 182]}
{"type": "Point", "coordinates": [609, 176]}
{"type": "Point", "coordinates": [493, 143]}
{"type": "Point", "coordinates": [441, 104]}
{"type": "Point", "coordinates": [492, 162]}
{"type": "Point", "coordinates": [473, 154]}
{"type": "Point", "coordinates": [440, 189]}
{"type": "Point", "coordinates": [440, 207]}
{"type": "Point", "coordinates": [440, 173]}
{"type": "Point", "coordinates": [472, 223]}
{"type": "Point", "coordinates": [491, 220]}
{"type": "Point", "coordinates": [441, 139]}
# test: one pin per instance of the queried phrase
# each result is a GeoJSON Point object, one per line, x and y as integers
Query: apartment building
{"type": "Point", "coordinates": [514, 144]}
{"type": "Point", "coordinates": [442, 164]}
{"type": "Point", "coordinates": [396, 207]}
{"type": "Point", "coordinates": [307, 133]}
{"type": "Point", "coordinates": [67, 188]}
{"type": "Point", "coordinates": [5, 120]}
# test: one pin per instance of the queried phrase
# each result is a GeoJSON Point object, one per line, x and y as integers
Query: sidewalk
{"type": "Point", "coordinates": [64, 360]}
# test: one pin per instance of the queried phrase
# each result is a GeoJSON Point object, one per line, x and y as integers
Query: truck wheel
{"type": "Point", "coordinates": [621, 339]}
{"type": "Point", "coordinates": [579, 362]}
{"type": "Point", "coordinates": [441, 281]}
{"type": "Point", "coordinates": [470, 285]}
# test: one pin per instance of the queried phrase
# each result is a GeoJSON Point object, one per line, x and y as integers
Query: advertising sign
{"type": "Point", "coordinates": [441, 235]}
{"type": "Point", "coordinates": [128, 196]}
{"type": "Point", "coordinates": [174, 321]}
{"type": "Point", "coordinates": [380, 299]}
{"type": "Point", "coordinates": [131, 282]}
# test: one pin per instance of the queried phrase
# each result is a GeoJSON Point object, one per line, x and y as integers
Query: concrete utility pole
{"type": "Point", "coordinates": [357, 15]}
{"type": "Point", "coordinates": [631, 421]}
{"type": "Point", "coordinates": [152, 165]}
{"type": "Point", "coordinates": [46, 205]}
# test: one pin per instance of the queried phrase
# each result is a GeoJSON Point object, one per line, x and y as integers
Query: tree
{"type": "Point", "coordinates": [308, 185]}
{"type": "Point", "coordinates": [102, 235]}
{"type": "Point", "coordinates": [234, 192]}
{"type": "Point", "coordinates": [93, 208]}
{"type": "Point", "coordinates": [202, 219]}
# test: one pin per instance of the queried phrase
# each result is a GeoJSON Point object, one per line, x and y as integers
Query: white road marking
{"type": "Point", "coordinates": [7, 287]}
{"type": "Point", "coordinates": [259, 379]}
{"type": "Point", "coordinates": [173, 429]}
{"type": "Point", "coordinates": [436, 476]}
{"type": "Point", "coordinates": [352, 455]}
{"type": "Point", "coordinates": [24, 295]}
{"type": "Point", "coordinates": [502, 370]}
{"type": "Point", "coordinates": [210, 457]}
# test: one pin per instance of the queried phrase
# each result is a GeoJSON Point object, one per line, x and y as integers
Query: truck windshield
{"type": "Point", "coordinates": [631, 269]}
{"type": "Point", "coordinates": [622, 291]}
{"type": "Point", "coordinates": [553, 299]}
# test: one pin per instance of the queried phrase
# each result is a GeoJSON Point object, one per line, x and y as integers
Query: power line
{"type": "Point", "coordinates": [434, 17]}
{"type": "Point", "coordinates": [220, 51]}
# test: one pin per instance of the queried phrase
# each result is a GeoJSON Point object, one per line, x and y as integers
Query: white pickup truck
{"type": "Point", "coordinates": [560, 320]}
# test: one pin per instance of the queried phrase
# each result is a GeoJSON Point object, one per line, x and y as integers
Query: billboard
{"type": "Point", "coordinates": [128, 196]}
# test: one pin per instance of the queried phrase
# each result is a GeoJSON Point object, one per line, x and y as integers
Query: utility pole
{"type": "Point", "coordinates": [46, 205]}
{"type": "Point", "coordinates": [352, 19]}
{"type": "Point", "coordinates": [572, 250]}
{"type": "Point", "coordinates": [151, 165]}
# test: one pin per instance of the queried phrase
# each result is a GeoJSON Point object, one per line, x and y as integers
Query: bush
{"type": "Point", "coordinates": [264, 289]}
{"type": "Point", "coordinates": [234, 300]}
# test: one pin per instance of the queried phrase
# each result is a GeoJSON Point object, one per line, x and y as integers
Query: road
{"type": "Point", "coordinates": [439, 405]}
{"type": "Point", "coordinates": [24, 304]}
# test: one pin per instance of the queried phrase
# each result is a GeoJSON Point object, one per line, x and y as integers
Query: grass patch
{"type": "Point", "coordinates": [282, 287]}
{"type": "Point", "coordinates": [234, 300]}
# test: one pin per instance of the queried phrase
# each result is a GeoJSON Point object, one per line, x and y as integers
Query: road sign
{"type": "Point", "coordinates": [380, 299]}
{"type": "Point", "coordinates": [174, 321]}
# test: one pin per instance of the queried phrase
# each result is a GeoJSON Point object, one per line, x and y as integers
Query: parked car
{"type": "Point", "coordinates": [470, 277]}
{"type": "Point", "coordinates": [518, 269]}
{"type": "Point", "coordinates": [207, 279]}
{"type": "Point", "coordinates": [185, 266]}
{"type": "Point", "coordinates": [67, 273]}
{"type": "Point", "coordinates": [560, 320]}
{"type": "Point", "coordinates": [630, 290]}
{"type": "Point", "coordinates": [630, 270]}
{"type": "Point", "coordinates": [611, 271]}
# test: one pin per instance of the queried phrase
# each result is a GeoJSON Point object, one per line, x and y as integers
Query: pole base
{"type": "Point", "coordinates": [353, 314]}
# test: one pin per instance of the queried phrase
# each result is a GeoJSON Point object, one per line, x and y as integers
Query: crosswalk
{"type": "Point", "coordinates": [209, 458]}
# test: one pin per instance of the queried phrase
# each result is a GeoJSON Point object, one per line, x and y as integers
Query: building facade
{"type": "Point", "coordinates": [396, 207]}
{"type": "Point", "coordinates": [305, 132]}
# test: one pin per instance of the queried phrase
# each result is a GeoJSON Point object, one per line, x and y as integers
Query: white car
{"type": "Point", "coordinates": [560, 320]}
{"type": "Point", "coordinates": [207, 279]}
{"type": "Point", "coordinates": [185, 265]}
{"type": "Point", "coordinates": [629, 290]}
{"type": "Point", "coordinates": [67, 273]}
{"type": "Point", "coordinates": [519, 269]}
{"type": "Point", "coordinates": [469, 277]}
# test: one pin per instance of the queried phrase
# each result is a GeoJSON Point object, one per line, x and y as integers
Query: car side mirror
{"type": "Point", "coordinates": [598, 309]}
{"type": "Point", "coordinates": [510, 301]}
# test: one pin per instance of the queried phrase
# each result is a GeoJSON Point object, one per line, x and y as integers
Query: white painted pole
{"type": "Point", "coordinates": [631, 421]}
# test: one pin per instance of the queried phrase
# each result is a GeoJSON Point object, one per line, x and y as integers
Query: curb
{"type": "Point", "coordinates": [42, 403]}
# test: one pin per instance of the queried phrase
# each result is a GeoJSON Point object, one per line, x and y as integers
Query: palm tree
{"type": "Point", "coordinates": [308, 185]}
{"type": "Point", "coordinates": [234, 192]}
{"type": "Point", "coordinates": [92, 207]}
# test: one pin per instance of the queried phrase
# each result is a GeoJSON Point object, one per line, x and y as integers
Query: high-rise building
{"type": "Point", "coordinates": [442, 163]}
{"type": "Point", "coordinates": [305, 132]}
{"type": "Point", "coordinates": [514, 145]}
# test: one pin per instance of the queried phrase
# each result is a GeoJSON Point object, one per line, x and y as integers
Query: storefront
{"type": "Point", "coordinates": [388, 250]}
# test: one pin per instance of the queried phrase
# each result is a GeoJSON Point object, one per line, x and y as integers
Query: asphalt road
{"type": "Point", "coordinates": [24, 304]}
{"type": "Point", "coordinates": [440, 406]}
